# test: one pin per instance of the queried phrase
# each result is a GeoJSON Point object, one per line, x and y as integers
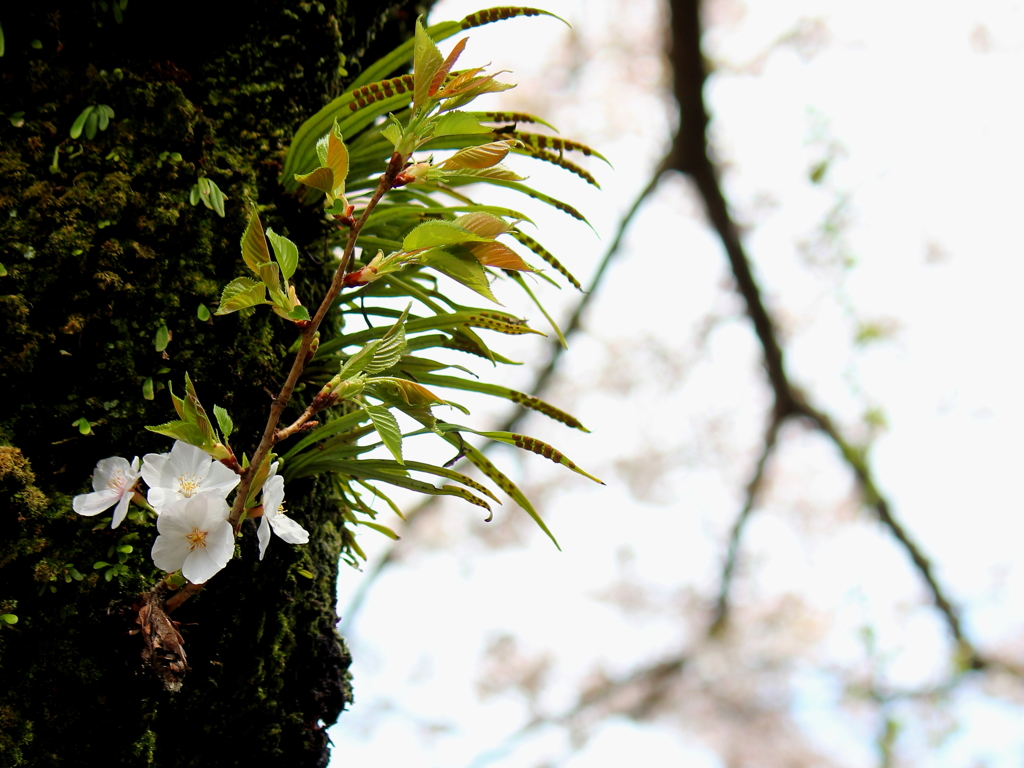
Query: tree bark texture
{"type": "Point", "coordinates": [102, 247]}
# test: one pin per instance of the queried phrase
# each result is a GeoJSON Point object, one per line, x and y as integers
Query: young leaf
{"type": "Point", "coordinates": [337, 159]}
{"type": "Point", "coordinates": [427, 60]}
{"type": "Point", "coordinates": [162, 337]}
{"type": "Point", "coordinates": [321, 178]}
{"type": "Point", "coordinates": [298, 313]}
{"type": "Point", "coordinates": [446, 67]}
{"type": "Point", "coordinates": [456, 123]}
{"type": "Point", "coordinates": [498, 255]}
{"type": "Point", "coordinates": [393, 133]}
{"type": "Point", "coordinates": [389, 350]}
{"type": "Point", "coordinates": [432, 234]}
{"type": "Point", "coordinates": [387, 427]}
{"type": "Point", "coordinates": [147, 389]}
{"type": "Point", "coordinates": [286, 252]}
{"type": "Point", "coordinates": [215, 199]}
{"type": "Point", "coordinates": [483, 224]}
{"type": "Point", "coordinates": [227, 426]}
{"type": "Point", "coordinates": [254, 244]}
{"type": "Point", "coordinates": [462, 269]}
{"type": "Point", "coordinates": [241, 293]}
{"type": "Point", "coordinates": [180, 430]}
{"type": "Point", "coordinates": [413, 394]}
{"type": "Point", "coordinates": [355, 364]}
{"type": "Point", "coordinates": [79, 124]}
{"type": "Point", "coordinates": [484, 156]}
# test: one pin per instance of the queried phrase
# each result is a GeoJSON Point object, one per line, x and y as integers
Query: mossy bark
{"type": "Point", "coordinates": [101, 247]}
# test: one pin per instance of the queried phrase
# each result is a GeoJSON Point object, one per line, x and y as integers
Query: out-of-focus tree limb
{"type": "Point", "coordinates": [693, 159]}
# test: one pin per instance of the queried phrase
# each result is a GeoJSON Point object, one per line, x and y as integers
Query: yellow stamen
{"type": "Point", "coordinates": [116, 483]}
{"type": "Point", "coordinates": [196, 539]}
{"type": "Point", "coordinates": [188, 485]}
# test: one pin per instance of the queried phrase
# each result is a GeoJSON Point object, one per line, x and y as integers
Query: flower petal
{"type": "Point", "coordinates": [263, 534]}
{"type": "Point", "coordinates": [90, 504]}
{"type": "Point", "coordinates": [219, 480]}
{"type": "Point", "coordinates": [153, 467]}
{"type": "Point", "coordinates": [107, 470]}
{"type": "Point", "coordinates": [169, 551]}
{"type": "Point", "coordinates": [288, 530]}
{"type": "Point", "coordinates": [121, 510]}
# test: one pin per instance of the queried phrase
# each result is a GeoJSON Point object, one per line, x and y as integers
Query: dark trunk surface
{"type": "Point", "coordinates": [101, 249]}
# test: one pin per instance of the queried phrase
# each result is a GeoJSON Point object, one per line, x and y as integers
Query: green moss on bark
{"type": "Point", "coordinates": [102, 247]}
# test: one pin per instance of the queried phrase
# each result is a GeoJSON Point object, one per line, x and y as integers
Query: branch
{"type": "Point", "coordinates": [753, 488]}
{"type": "Point", "coordinates": [692, 157]}
{"type": "Point", "coordinates": [301, 359]}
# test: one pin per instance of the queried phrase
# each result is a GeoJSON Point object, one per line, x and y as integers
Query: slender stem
{"type": "Point", "coordinates": [298, 365]}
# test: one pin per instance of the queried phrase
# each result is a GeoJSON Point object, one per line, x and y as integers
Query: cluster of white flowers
{"type": "Point", "coordinates": [188, 490]}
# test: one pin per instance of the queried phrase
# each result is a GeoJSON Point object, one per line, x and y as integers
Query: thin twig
{"type": "Point", "coordinates": [753, 489]}
{"type": "Point", "coordinates": [284, 396]}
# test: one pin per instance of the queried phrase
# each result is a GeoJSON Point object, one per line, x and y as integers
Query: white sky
{"type": "Point", "coordinates": [917, 105]}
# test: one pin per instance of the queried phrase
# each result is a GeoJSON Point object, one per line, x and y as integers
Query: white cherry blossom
{"type": "Point", "coordinates": [183, 473]}
{"type": "Point", "coordinates": [274, 518]}
{"type": "Point", "coordinates": [195, 537]}
{"type": "Point", "coordinates": [113, 482]}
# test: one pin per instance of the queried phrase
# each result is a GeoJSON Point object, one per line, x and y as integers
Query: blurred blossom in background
{"type": "Point", "coordinates": [871, 155]}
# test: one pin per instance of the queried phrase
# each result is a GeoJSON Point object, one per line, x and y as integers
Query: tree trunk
{"type": "Point", "coordinates": [101, 248]}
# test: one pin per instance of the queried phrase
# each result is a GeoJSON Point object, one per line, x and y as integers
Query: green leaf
{"type": "Point", "coordinates": [434, 234]}
{"type": "Point", "coordinates": [355, 364]}
{"type": "Point", "coordinates": [285, 251]}
{"type": "Point", "coordinates": [3, 271]}
{"type": "Point", "coordinates": [377, 527]}
{"type": "Point", "coordinates": [203, 313]}
{"type": "Point", "coordinates": [387, 427]}
{"type": "Point", "coordinates": [84, 427]}
{"type": "Point", "coordinates": [481, 462]}
{"type": "Point", "coordinates": [427, 60]}
{"type": "Point", "coordinates": [215, 200]}
{"type": "Point", "coordinates": [476, 158]}
{"type": "Point", "coordinates": [105, 114]}
{"type": "Point", "coordinates": [241, 293]}
{"type": "Point", "coordinates": [409, 392]}
{"type": "Point", "coordinates": [463, 269]}
{"type": "Point", "coordinates": [456, 122]}
{"type": "Point", "coordinates": [271, 275]}
{"type": "Point", "coordinates": [227, 426]}
{"type": "Point", "coordinates": [147, 389]}
{"type": "Point", "coordinates": [254, 244]}
{"type": "Point", "coordinates": [337, 159]}
{"type": "Point", "coordinates": [541, 449]}
{"type": "Point", "coordinates": [10, 618]}
{"type": "Point", "coordinates": [496, 390]}
{"type": "Point", "coordinates": [162, 337]}
{"type": "Point", "coordinates": [90, 124]}
{"type": "Point", "coordinates": [530, 192]}
{"type": "Point", "coordinates": [321, 178]}
{"type": "Point", "coordinates": [558, 331]}
{"type": "Point", "coordinates": [79, 124]}
{"type": "Point", "coordinates": [392, 133]}
{"type": "Point", "coordinates": [193, 195]}
{"type": "Point", "coordinates": [180, 430]}
{"type": "Point", "coordinates": [392, 345]}
{"type": "Point", "coordinates": [299, 313]}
